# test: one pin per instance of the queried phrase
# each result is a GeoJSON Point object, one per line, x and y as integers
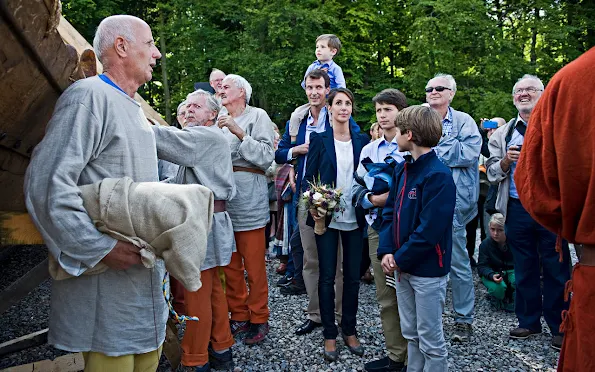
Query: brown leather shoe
{"type": "Point", "coordinates": [522, 333]}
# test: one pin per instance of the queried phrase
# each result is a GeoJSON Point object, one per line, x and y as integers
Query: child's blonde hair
{"type": "Point", "coordinates": [424, 123]}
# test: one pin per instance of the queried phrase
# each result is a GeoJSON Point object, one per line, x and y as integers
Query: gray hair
{"type": "Point", "coordinates": [111, 28]}
{"type": "Point", "coordinates": [183, 104]}
{"type": "Point", "coordinates": [450, 79]}
{"type": "Point", "coordinates": [530, 77]}
{"type": "Point", "coordinates": [214, 71]}
{"type": "Point", "coordinates": [212, 103]}
{"type": "Point", "coordinates": [498, 219]}
{"type": "Point", "coordinates": [241, 83]}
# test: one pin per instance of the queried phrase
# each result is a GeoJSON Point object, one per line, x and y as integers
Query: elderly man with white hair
{"type": "Point", "coordinates": [215, 81]}
{"type": "Point", "coordinates": [116, 318]}
{"type": "Point", "coordinates": [251, 138]}
{"type": "Point", "coordinates": [532, 245]}
{"type": "Point", "coordinates": [181, 113]}
{"type": "Point", "coordinates": [202, 152]}
{"type": "Point", "coordinates": [459, 149]}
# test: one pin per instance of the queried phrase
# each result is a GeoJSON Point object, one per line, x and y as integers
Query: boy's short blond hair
{"type": "Point", "coordinates": [424, 123]}
{"type": "Point", "coordinates": [333, 41]}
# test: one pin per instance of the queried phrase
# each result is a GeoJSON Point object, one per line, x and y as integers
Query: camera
{"type": "Point", "coordinates": [489, 124]}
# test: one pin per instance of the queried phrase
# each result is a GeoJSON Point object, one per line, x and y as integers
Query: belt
{"type": "Point", "coordinates": [220, 206]}
{"type": "Point", "coordinates": [250, 170]}
{"type": "Point", "coordinates": [587, 257]}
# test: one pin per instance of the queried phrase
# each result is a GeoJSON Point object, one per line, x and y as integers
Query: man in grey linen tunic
{"type": "Point", "coordinates": [204, 159]}
{"type": "Point", "coordinates": [96, 132]}
{"type": "Point", "coordinates": [249, 209]}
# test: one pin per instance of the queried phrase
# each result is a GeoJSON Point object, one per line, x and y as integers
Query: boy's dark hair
{"type": "Point", "coordinates": [391, 97]}
{"type": "Point", "coordinates": [333, 41]}
{"type": "Point", "coordinates": [423, 122]}
{"type": "Point", "coordinates": [317, 74]}
{"type": "Point", "coordinates": [334, 92]}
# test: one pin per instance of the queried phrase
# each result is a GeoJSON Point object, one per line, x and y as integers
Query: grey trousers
{"type": "Point", "coordinates": [421, 303]}
{"type": "Point", "coordinates": [310, 270]}
{"type": "Point", "coordinates": [396, 345]}
{"type": "Point", "coordinates": [461, 278]}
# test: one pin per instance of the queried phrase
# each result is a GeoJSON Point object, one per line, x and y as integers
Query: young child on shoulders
{"type": "Point", "coordinates": [327, 47]}
{"type": "Point", "coordinates": [416, 237]}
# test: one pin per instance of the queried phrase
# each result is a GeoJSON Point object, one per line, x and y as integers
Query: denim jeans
{"type": "Point", "coordinates": [530, 243]}
{"type": "Point", "coordinates": [326, 245]}
{"type": "Point", "coordinates": [461, 278]}
{"type": "Point", "coordinates": [421, 303]}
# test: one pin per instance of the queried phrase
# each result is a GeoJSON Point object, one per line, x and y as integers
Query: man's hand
{"type": "Point", "coordinates": [299, 150]}
{"type": "Point", "coordinates": [388, 264]}
{"type": "Point", "coordinates": [497, 278]}
{"type": "Point", "coordinates": [512, 156]}
{"type": "Point", "coordinates": [292, 179]}
{"type": "Point", "coordinates": [227, 121]}
{"type": "Point", "coordinates": [122, 256]}
{"type": "Point", "coordinates": [379, 200]}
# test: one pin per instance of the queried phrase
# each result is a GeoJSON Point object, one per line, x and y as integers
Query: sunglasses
{"type": "Point", "coordinates": [438, 89]}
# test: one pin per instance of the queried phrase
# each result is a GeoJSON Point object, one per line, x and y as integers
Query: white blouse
{"type": "Point", "coordinates": [345, 221]}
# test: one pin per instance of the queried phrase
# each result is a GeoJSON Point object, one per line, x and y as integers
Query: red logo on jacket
{"type": "Point", "coordinates": [412, 194]}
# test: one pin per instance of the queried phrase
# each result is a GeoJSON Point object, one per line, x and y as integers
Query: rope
{"type": "Point", "coordinates": [179, 318]}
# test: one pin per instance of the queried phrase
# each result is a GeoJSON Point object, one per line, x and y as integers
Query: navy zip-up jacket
{"type": "Point", "coordinates": [417, 219]}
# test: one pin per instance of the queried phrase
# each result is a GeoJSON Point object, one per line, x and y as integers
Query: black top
{"type": "Point", "coordinates": [493, 258]}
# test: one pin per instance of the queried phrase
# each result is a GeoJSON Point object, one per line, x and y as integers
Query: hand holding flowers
{"type": "Point", "coordinates": [321, 201]}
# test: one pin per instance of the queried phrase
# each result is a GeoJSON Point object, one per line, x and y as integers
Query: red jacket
{"type": "Point", "coordinates": [555, 176]}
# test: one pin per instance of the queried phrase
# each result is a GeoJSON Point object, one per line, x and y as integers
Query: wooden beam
{"type": "Point", "coordinates": [25, 284]}
{"type": "Point", "coordinates": [18, 229]}
{"type": "Point", "coordinates": [65, 363]}
{"type": "Point", "coordinates": [24, 342]}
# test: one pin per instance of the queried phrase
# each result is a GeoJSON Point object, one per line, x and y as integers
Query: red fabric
{"type": "Point", "coordinates": [555, 176]}
{"type": "Point", "coordinates": [210, 306]}
{"type": "Point", "coordinates": [578, 349]}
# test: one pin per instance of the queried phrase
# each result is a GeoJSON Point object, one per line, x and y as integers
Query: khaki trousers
{"type": "Point", "coordinates": [310, 271]}
{"type": "Point", "coordinates": [396, 344]}
{"type": "Point", "coordinates": [98, 362]}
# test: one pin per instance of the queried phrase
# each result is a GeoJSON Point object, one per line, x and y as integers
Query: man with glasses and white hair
{"type": "Point", "coordinates": [181, 113]}
{"type": "Point", "coordinates": [215, 81]}
{"type": "Point", "coordinates": [202, 152]}
{"type": "Point", "coordinates": [531, 243]}
{"type": "Point", "coordinates": [116, 318]}
{"type": "Point", "coordinates": [459, 149]}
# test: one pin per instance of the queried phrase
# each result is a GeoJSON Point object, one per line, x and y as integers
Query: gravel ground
{"type": "Point", "coordinates": [490, 349]}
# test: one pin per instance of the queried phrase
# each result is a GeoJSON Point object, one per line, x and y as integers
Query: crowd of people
{"type": "Point", "coordinates": [409, 200]}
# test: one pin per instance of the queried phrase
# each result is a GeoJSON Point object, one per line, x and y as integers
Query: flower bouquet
{"type": "Point", "coordinates": [322, 200]}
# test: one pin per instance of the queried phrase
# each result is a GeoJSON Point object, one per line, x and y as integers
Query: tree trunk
{"type": "Point", "coordinates": [166, 94]}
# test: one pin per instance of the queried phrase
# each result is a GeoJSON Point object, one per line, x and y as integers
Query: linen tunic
{"type": "Point", "coordinates": [249, 209]}
{"type": "Point", "coordinates": [96, 132]}
{"type": "Point", "coordinates": [204, 159]}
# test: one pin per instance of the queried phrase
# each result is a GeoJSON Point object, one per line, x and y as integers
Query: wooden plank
{"type": "Point", "coordinates": [28, 282]}
{"type": "Point", "coordinates": [17, 229]}
{"type": "Point", "coordinates": [71, 36]}
{"type": "Point", "coordinates": [171, 345]}
{"type": "Point", "coordinates": [65, 363]}
{"type": "Point", "coordinates": [24, 342]}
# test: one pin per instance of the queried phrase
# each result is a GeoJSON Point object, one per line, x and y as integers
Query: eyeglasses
{"type": "Point", "coordinates": [528, 90]}
{"type": "Point", "coordinates": [438, 89]}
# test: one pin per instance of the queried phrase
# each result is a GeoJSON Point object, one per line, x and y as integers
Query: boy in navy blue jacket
{"type": "Point", "coordinates": [416, 237]}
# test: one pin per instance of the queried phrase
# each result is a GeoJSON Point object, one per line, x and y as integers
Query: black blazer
{"type": "Point", "coordinates": [322, 164]}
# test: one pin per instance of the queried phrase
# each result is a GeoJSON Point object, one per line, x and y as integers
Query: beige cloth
{"type": "Point", "coordinates": [168, 221]}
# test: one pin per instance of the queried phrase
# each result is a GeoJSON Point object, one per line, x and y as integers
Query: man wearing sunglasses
{"type": "Point", "coordinates": [530, 242]}
{"type": "Point", "coordinates": [459, 149]}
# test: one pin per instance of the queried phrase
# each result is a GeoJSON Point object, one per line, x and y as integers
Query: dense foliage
{"type": "Point", "coordinates": [485, 44]}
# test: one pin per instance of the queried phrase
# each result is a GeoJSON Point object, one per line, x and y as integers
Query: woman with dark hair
{"type": "Point", "coordinates": [333, 156]}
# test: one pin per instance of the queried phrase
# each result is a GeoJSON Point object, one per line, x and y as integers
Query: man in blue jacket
{"type": "Point", "coordinates": [416, 238]}
{"type": "Point", "coordinates": [459, 150]}
{"type": "Point", "coordinates": [296, 152]}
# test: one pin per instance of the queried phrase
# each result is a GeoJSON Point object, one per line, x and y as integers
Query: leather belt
{"type": "Point", "coordinates": [220, 206]}
{"type": "Point", "coordinates": [587, 257]}
{"type": "Point", "coordinates": [250, 170]}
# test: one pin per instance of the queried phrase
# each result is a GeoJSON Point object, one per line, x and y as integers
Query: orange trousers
{"type": "Point", "coordinates": [578, 324]}
{"type": "Point", "coordinates": [252, 306]}
{"type": "Point", "coordinates": [209, 305]}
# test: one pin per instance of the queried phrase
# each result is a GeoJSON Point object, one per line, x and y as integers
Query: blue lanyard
{"type": "Point", "coordinates": [110, 82]}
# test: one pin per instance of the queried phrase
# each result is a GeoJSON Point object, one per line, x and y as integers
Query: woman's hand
{"type": "Point", "coordinates": [315, 215]}
{"type": "Point", "coordinates": [227, 121]}
{"type": "Point", "coordinates": [388, 264]}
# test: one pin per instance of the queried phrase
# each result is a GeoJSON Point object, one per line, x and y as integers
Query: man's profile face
{"type": "Point", "coordinates": [439, 99]}
{"type": "Point", "coordinates": [526, 94]}
{"type": "Point", "coordinates": [181, 115]}
{"type": "Point", "coordinates": [197, 112]}
{"type": "Point", "coordinates": [316, 91]}
{"type": "Point", "coordinates": [143, 54]}
{"type": "Point", "coordinates": [386, 115]}
{"type": "Point", "coordinates": [215, 80]}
